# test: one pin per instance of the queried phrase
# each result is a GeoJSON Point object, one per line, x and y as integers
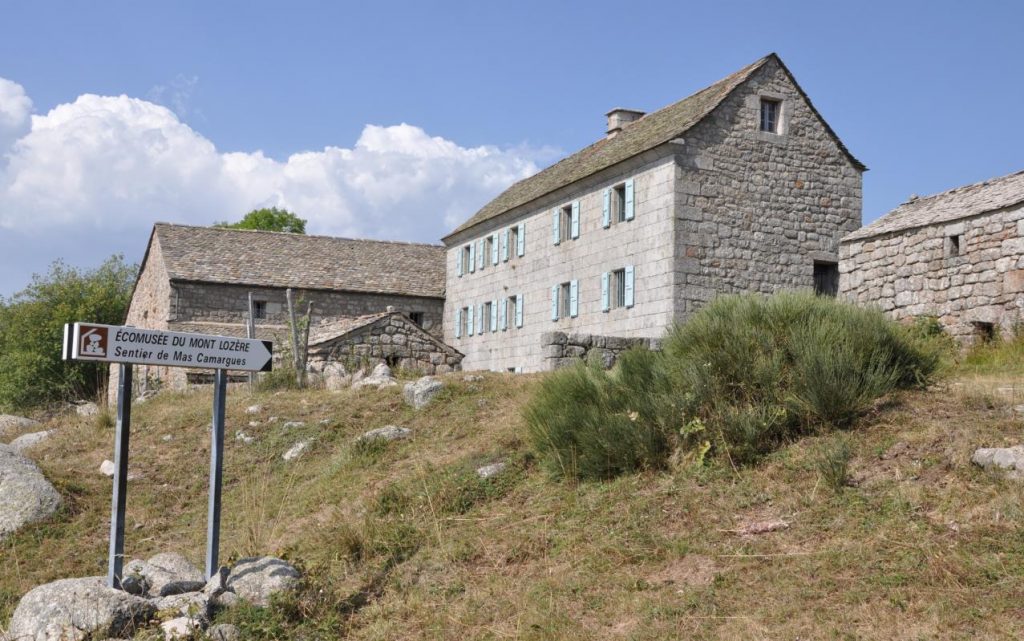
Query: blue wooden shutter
{"type": "Point", "coordinates": [629, 199]}
{"type": "Point", "coordinates": [472, 257]}
{"type": "Point", "coordinates": [556, 232]}
{"type": "Point", "coordinates": [458, 323]}
{"type": "Point", "coordinates": [469, 321]}
{"type": "Point", "coordinates": [629, 286]}
{"type": "Point", "coordinates": [574, 298]}
{"type": "Point", "coordinates": [481, 322]}
{"type": "Point", "coordinates": [605, 300]}
{"type": "Point", "coordinates": [458, 262]}
{"type": "Point", "coordinates": [494, 249]}
{"type": "Point", "coordinates": [521, 240]}
{"type": "Point", "coordinates": [606, 215]}
{"type": "Point", "coordinates": [519, 310]}
{"type": "Point", "coordinates": [504, 244]}
{"type": "Point", "coordinates": [481, 259]}
{"type": "Point", "coordinates": [494, 315]}
{"type": "Point", "coordinates": [575, 227]}
{"type": "Point", "coordinates": [554, 302]}
{"type": "Point", "coordinates": [503, 314]}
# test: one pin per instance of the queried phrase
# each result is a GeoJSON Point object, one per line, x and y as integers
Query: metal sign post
{"type": "Point", "coordinates": [130, 345]}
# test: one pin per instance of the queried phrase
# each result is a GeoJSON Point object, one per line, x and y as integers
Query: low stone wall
{"type": "Point", "coordinates": [393, 340]}
{"type": "Point", "coordinates": [561, 349]}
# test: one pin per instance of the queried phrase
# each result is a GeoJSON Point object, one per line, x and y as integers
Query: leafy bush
{"type": "Point", "coordinates": [588, 423]}
{"type": "Point", "coordinates": [760, 370]}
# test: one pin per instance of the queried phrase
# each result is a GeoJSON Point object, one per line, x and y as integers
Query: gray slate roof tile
{"type": "Point", "coordinates": [948, 206]}
{"type": "Point", "coordinates": [274, 259]}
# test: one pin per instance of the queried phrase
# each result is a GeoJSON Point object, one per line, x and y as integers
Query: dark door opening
{"type": "Point", "coordinates": [826, 278]}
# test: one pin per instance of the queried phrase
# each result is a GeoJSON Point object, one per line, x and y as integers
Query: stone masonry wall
{"type": "Point", "coordinates": [206, 302]}
{"type": "Point", "coordinates": [755, 209]}
{"type": "Point", "coordinates": [644, 242]}
{"type": "Point", "coordinates": [914, 272]}
{"type": "Point", "coordinates": [391, 340]}
{"type": "Point", "coordinates": [562, 350]}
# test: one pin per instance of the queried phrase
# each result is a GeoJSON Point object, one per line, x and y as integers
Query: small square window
{"type": "Point", "coordinates": [954, 245]}
{"type": "Point", "coordinates": [259, 309]}
{"type": "Point", "coordinates": [416, 317]}
{"type": "Point", "coordinates": [770, 110]}
{"type": "Point", "coordinates": [826, 278]}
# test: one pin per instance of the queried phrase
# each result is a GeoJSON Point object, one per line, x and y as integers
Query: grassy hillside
{"type": "Point", "coordinates": [403, 541]}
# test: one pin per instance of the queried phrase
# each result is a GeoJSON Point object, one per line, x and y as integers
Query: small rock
{"type": "Point", "coordinates": [226, 599]}
{"type": "Point", "coordinates": [87, 408]}
{"type": "Point", "coordinates": [1010, 459]}
{"type": "Point", "coordinates": [762, 527]}
{"type": "Point", "coordinates": [224, 632]}
{"type": "Point", "coordinates": [254, 423]}
{"type": "Point", "coordinates": [421, 392]}
{"type": "Point", "coordinates": [180, 628]}
{"type": "Point", "coordinates": [324, 421]}
{"type": "Point", "coordinates": [297, 450]}
{"type": "Point", "coordinates": [134, 584]}
{"type": "Point", "coordinates": [11, 423]}
{"type": "Point", "coordinates": [257, 579]}
{"type": "Point", "coordinates": [254, 409]}
{"type": "Point", "coordinates": [472, 378]}
{"type": "Point", "coordinates": [26, 441]}
{"type": "Point", "coordinates": [168, 574]}
{"type": "Point", "coordinates": [493, 469]}
{"type": "Point", "coordinates": [335, 377]}
{"type": "Point", "coordinates": [290, 424]}
{"type": "Point", "coordinates": [380, 377]}
{"type": "Point", "coordinates": [273, 419]}
{"type": "Point", "coordinates": [193, 605]}
{"type": "Point", "coordinates": [72, 609]}
{"type": "Point", "coordinates": [107, 468]}
{"type": "Point", "coordinates": [244, 437]}
{"type": "Point", "coordinates": [386, 433]}
{"type": "Point", "coordinates": [166, 438]}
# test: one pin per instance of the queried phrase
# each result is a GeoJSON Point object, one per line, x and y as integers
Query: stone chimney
{"type": "Point", "coordinates": [619, 118]}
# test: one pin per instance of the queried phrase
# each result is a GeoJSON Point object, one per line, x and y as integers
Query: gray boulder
{"type": "Point", "coordinates": [1010, 459]}
{"type": "Point", "coordinates": [384, 434]}
{"type": "Point", "coordinates": [10, 423]}
{"type": "Point", "coordinates": [25, 494]}
{"type": "Point", "coordinates": [257, 579]}
{"type": "Point", "coordinates": [180, 628]}
{"type": "Point", "coordinates": [421, 392]}
{"type": "Point", "coordinates": [26, 441]}
{"type": "Point", "coordinates": [380, 377]}
{"type": "Point", "coordinates": [87, 408]}
{"type": "Point", "coordinates": [72, 609]}
{"type": "Point", "coordinates": [335, 376]}
{"type": "Point", "coordinates": [107, 468]}
{"type": "Point", "coordinates": [494, 469]}
{"type": "Point", "coordinates": [224, 632]}
{"type": "Point", "coordinates": [297, 450]}
{"type": "Point", "coordinates": [167, 574]}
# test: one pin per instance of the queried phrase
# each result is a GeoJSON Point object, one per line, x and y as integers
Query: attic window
{"type": "Point", "coordinates": [770, 110]}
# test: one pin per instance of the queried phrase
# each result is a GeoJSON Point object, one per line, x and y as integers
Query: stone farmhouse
{"type": "Point", "coordinates": [198, 279]}
{"type": "Point", "coordinates": [741, 187]}
{"type": "Point", "coordinates": [957, 255]}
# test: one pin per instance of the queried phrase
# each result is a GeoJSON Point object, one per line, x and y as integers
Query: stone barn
{"type": "Point", "coordinates": [199, 279]}
{"type": "Point", "coordinates": [957, 256]}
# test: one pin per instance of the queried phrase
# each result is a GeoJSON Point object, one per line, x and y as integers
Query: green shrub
{"type": "Point", "coordinates": [833, 463]}
{"type": "Point", "coordinates": [760, 370]}
{"type": "Point", "coordinates": [587, 423]}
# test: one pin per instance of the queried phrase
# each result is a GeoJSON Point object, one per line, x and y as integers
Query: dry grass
{"type": "Point", "coordinates": [402, 543]}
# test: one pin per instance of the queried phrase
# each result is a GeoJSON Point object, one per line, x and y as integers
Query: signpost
{"type": "Point", "coordinates": [129, 346]}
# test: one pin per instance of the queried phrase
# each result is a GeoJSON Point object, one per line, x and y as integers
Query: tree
{"type": "Point", "coordinates": [269, 219]}
{"type": "Point", "coordinates": [32, 332]}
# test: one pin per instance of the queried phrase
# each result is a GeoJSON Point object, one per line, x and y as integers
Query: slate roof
{"type": "Point", "coordinates": [333, 329]}
{"type": "Point", "coordinates": [273, 259]}
{"type": "Point", "coordinates": [961, 202]}
{"type": "Point", "coordinates": [652, 130]}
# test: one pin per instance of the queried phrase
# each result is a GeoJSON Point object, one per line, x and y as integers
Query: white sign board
{"type": "Point", "coordinates": [116, 344]}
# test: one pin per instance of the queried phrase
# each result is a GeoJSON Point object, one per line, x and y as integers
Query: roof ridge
{"type": "Point", "coordinates": [953, 190]}
{"type": "Point", "coordinates": [294, 235]}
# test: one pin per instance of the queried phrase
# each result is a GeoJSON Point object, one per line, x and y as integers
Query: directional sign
{"type": "Point", "coordinates": [116, 344]}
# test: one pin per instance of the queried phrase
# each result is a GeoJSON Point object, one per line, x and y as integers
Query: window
{"type": "Point", "coordinates": [826, 278]}
{"type": "Point", "coordinates": [565, 224]}
{"type": "Point", "coordinates": [467, 321]}
{"type": "Point", "coordinates": [954, 244]}
{"type": "Point", "coordinates": [487, 248]}
{"type": "Point", "coordinates": [416, 317]}
{"type": "Point", "coordinates": [619, 203]}
{"type": "Point", "coordinates": [770, 111]}
{"type": "Point", "coordinates": [564, 299]}
{"type": "Point", "coordinates": [618, 289]}
{"type": "Point", "coordinates": [259, 309]}
{"type": "Point", "coordinates": [984, 332]}
{"type": "Point", "coordinates": [467, 258]}
{"type": "Point", "coordinates": [488, 316]}
{"type": "Point", "coordinates": [513, 242]}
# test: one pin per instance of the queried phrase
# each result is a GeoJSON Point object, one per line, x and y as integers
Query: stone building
{"type": "Point", "coordinates": [741, 187]}
{"type": "Point", "coordinates": [198, 279]}
{"type": "Point", "coordinates": [957, 256]}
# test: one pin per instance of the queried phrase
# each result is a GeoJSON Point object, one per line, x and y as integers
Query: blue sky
{"type": "Point", "coordinates": [398, 119]}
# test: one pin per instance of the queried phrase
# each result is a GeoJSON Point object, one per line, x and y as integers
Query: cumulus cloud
{"type": "Point", "coordinates": [117, 163]}
{"type": "Point", "coordinates": [15, 108]}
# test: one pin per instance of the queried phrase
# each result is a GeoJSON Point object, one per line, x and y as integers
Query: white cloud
{"type": "Point", "coordinates": [119, 164]}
